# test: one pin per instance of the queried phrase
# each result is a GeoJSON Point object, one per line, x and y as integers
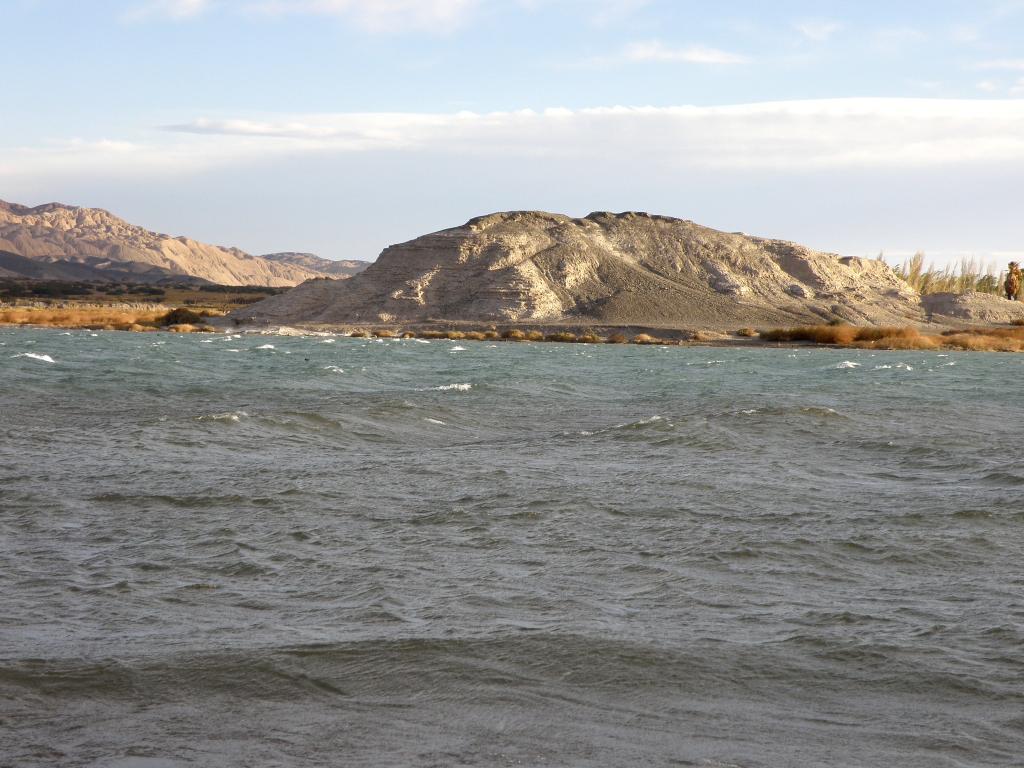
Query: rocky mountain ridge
{"type": "Point", "coordinates": [59, 234]}
{"type": "Point", "coordinates": [314, 263]}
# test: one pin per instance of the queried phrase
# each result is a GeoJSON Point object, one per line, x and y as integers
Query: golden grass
{"type": "Point", "coordinates": [972, 339]}
{"type": "Point", "coordinates": [969, 275]}
{"type": "Point", "coordinates": [747, 333]}
{"type": "Point", "coordinates": [491, 335]}
{"type": "Point", "coordinates": [534, 336]}
{"type": "Point", "coordinates": [433, 334]}
{"type": "Point", "coordinates": [359, 334]}
{"type": "Point", "coordinates": [589, 338]}
{"type": "Point", "coordinates": [563, 336]}
{"type": "Point", "coordinates": [475, 336]}
{"type": "Point", "coordinates": [455, 335]}
{"type": "Point", "coordinates": [408, 335]}
{"type": "Point", "coordinates": [617, 338]}
{"type": "Point", "coordinates": [385, 333]}
{"type": "Point", "coordinates": [513, 334]}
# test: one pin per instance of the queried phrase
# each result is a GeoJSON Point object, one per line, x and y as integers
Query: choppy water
{"type": "Point", "coordinates": [217, 552]}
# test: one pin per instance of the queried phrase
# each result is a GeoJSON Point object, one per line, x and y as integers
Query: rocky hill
{"type": "Point", "coordinates": [314, 263]}
{"type": "Point", "coordinates": [58, 235]}
{"type": "Point", "coordinates": [607, 269]}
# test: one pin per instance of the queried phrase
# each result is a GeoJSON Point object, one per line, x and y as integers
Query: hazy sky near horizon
{"type": "Point", "coordinates": [342, 126]}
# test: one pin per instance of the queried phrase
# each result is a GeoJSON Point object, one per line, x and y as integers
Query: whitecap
{"type": "Point", "coordinates": [456, 387]}
{"type": "Point", "coordinates": [457, 349]}
{"type": "Point", "coordinates": [233, 416]}
{"type": "Point", "coordinates": [848, 364]}
{"type": "Point", "coordinates": [421, 341]}
{"type": "Point", "coordinates": [328, 341]}
{"type": "Point", "coordinates": [266, 346]}
{"type": "Point", "coordinates": [434, 421]}
{"type": "Point", "coordinates": [37, 356]}
{"type": "Point", "coordinates": [206, 341]}
{"type": "Point", "coordinates": [333, 368]}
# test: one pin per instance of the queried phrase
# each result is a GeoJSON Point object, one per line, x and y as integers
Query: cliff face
{"type": "Point", "coordinates": [56, 232]}
{"type": "Point", "coordinates": [615, 269]}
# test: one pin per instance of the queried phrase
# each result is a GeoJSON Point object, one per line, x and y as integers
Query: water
{"type": "Point", "coordinates": [319, 553]}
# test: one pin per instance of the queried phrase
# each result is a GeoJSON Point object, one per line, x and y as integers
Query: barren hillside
{"type": "Point", "coordinates": [61, 233]}
{"type": "Point", "coordinates": [611, 269]}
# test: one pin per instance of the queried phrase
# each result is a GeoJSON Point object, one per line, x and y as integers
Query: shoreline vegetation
{"type": "Point", "coordinates": [148, 318]}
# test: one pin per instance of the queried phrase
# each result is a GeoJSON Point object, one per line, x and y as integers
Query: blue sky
{"type": "Point", "coordinates": [341, 126]}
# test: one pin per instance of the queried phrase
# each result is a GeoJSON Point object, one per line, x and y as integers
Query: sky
{"type": "Point", "coordinates": [340, 127]}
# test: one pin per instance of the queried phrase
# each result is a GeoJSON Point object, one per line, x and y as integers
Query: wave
{"type": "Point", "coordinates": [452, 387]}
{"type": "Point", "coordinates": [231, 416]}
{"type": "Point", "coordinates": [36, 356]}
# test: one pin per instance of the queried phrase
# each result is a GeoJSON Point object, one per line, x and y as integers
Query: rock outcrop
{"type": "Point", "coordinates": [609, 269]}
{"type": "Point", "coordinates": [55, 233]}
{"type": "Point", "coordinates": [972, 307]}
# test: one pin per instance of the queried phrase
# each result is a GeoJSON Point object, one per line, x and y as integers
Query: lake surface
{"type": "Point", "coordinates": [249, 551]}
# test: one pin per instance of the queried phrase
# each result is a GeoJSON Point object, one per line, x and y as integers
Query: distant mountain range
{"type": "Point", "coordinates": [64, 242]}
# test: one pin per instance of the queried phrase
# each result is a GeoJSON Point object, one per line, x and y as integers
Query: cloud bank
{"type": "Point", "coordinates": [794, 136]}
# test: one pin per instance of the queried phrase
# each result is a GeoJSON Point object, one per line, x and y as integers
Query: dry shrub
{"type": "Point", "coordinates": [97, 318]}
{"type": "Point", "coordinates": [747, 333]}
{"type": "Point", "coordinates": [433, 334]}
{"type": "Point", "coordinates": [563, 336]}
{"type": "Point", "coordinates": [534, 336]}
{"type": "Point", "coordinates": [589, 338]}
{"type": "Point", "coordinates": [385, 333]}
{"type": "Point", "coordinates": [645, 338]}
{"type": "Point", "coordinates": [900, 342]}
{"type": "Point", "coordinates": [819, 334]}
{"type": "Point", "coordinates": [1018, 321]}
{"type": "Point", "coordinates": [408, 335]}
{"type": "Point", "coordinates": [513, 334]}
{"type": "Point", "coordinates": [475, 335]}
{"type": "Point", "coordinates": [617, 338]}
{"type": "Point", "coordinates": [491, 335]}
{"type": "Point", "coordinates": [359, 334]}
{"type": "Point", "coordinates": [976, 342]}
{"type": "Point", "coordinates": [455, 335]}
{"type": "Point", "coordinates": [1000, 333]}
{"type": "Point", "coordinates": [181, 316]}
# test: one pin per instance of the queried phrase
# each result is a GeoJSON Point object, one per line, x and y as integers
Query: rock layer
{"type": "Point", "coordinates": [610, 269]}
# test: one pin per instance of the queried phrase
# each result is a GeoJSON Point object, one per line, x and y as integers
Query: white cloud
{"type": "Point", "coordinates": [381, 15]}
{"type": "Point", "coordinates": [377, 15]}
{"type": "Point", "coordinates": [798, 136]}
{"type": "Point", "coordinates": [987, 86]}
{"type": "Point", "coordinates": [655, 50]}
{"type": "Point", "coordinates": [818, 30]}
{"type": "Point", "coordinates": [175, 9]}
{"type": "Point", "coordinates": [1012, 64]}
